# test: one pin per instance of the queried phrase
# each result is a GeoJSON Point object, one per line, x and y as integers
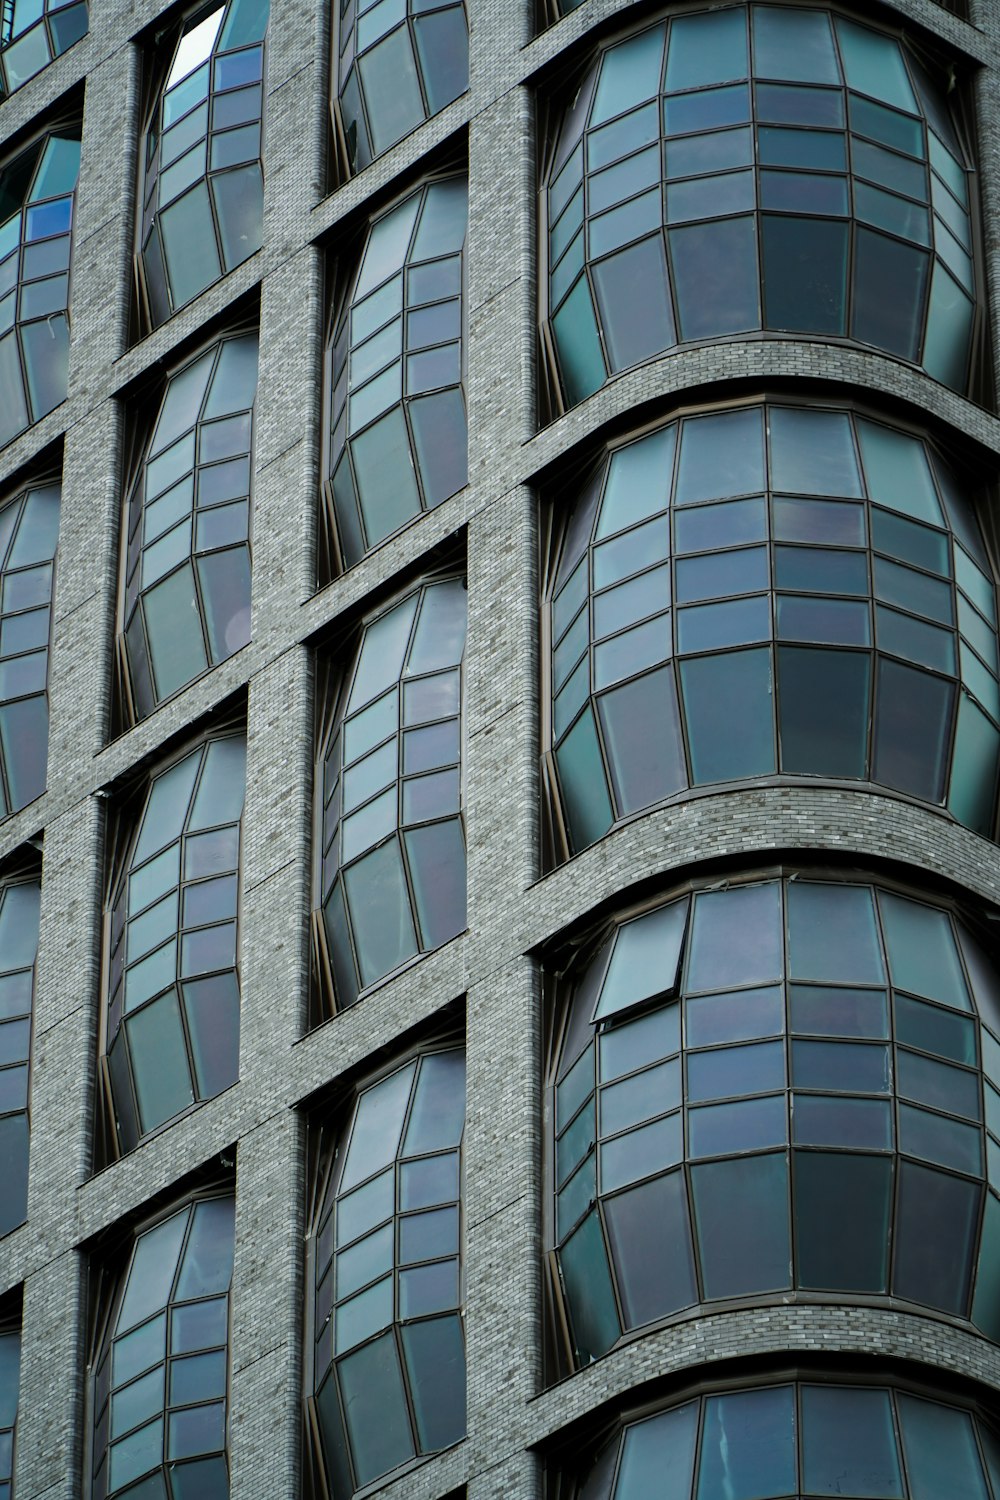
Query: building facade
{"type": "Point", "coordinates": [499, 742]}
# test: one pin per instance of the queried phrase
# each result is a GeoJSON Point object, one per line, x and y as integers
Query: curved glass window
{"type": "Point", "coordinates": [161, 1387]}
{"type": "Point", "coordinates": [173, 1017]}
{"type": "Point", "coordinates": [390, 1349]}
{"type": "Point", "coordinates": [398, 441]}
{"type": "Point", "coordinates": [186, 552]}
{"type": "Point", "coordinates": [792, 1440]}
{"type": "Point", "coordinates": [10, 1379]}
{"type": "Point", "coordinates": [773, 1086]}
{"type": "Point", "coordinates": [392, 839]}
{"type": "Point", "coordinates": [758, 167]}
{"type": "Point", "coordinates": [19, 909]}
{"type": "Point", "coordinates": [202, 190]}
{"type": "Point", "coordinates": [772, 589]}
{"type": "Point", "coordinates": [37, 197]}
{"type": "Point", "coordinates": [29, 533]}
{"type": "Point", "coordinates": [399, 63]}
{"type": "Point", "coordinates": [32, 34]}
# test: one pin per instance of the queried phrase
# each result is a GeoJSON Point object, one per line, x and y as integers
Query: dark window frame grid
{"type": "Point", "coordinates": [147, 410]}
{"type": "Point", "coordinates": [326, 1167]}
{"type": "Point", "coordinates": [147, 206]}
{"type": "Point", "coordinates": [343, 34]}
{"type": "Point", "coordinates": [25, 870]}
{"type": "Point", "coordinates": [589, 486]}
{"type": "Point", "coordinates": [110, 1263]}
{"type": "Point", "coordinates": [337, 438]}
{"type": "Point", "coordinates": [45, 479]}
{"type": "Point", "coordinates": [571, 1473]}
{"type": "Point", "coordinates": [574, 966]}
{"type": "Point", "coordinates": [67, 125]}
{"type": "Point", "coordinates": [52, 43]}
{"type": "Point", "coordinates": [338, 669]}
{"type": "Point", "coordinates": [124, 825]}
{"type": "Point", "coordinates": [555, 400]}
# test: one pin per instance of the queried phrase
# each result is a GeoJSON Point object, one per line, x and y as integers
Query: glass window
{"type": "Point", "coordinates": [398, 443]}
{"type": "Point", "coordinates": [37, 198]}
{"type": "Point", "coordinates": [35, 32]}
{"type": "Point", "coordinates": [20, 900]}
{"type": "Point", "coordinates": [161, 1383]}
{"type": "Point", "coordinates": [747, 229]}
{"type": "Point", "coordinates": [391, 870]}
{"type": "Point", "coordinates": [789, 1440]}
{"type": "Point", "coordinates": [185, 603]}
{"type": "Point", "coordinates": [745, 1056]}
{"type": "Point", "coordinates": [10, 1378]}
{"type": "Point", "coordinates": [398, 62]}
{"type": "Point", "coordinates": [389, 1353]}
{"type": "Point", "coordinates": [29, 533]}
{"type": "Point", "coordinates": [173, 999]}
{"type": "Point", "coordinates": [708, 577]}
{"type": "Point", "coordinates": [202, 186]}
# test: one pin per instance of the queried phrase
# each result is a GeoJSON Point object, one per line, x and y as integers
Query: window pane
{"type": "Point", "coordinates": [842, 1206]}
{"type": "Point", "coordinates": [867, 1465]}
{"type": "Point", "coordinates": [741, 1218]}
{"type": "Point", "coordinates": [641, 1223]}
{"type": "Point", "coordinates": [748, 1445]}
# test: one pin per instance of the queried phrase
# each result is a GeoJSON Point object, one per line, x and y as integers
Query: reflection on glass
{"type": "Point", "coordinates": [398, 441]}
{"type": "Point", "coordinates": [29, 533]}
{"type": "Point", "coordinates": [797, 1058]}
{"type": "Point", "coordinates": [765, 611]}
{"type": "Point", "coordinates": [35, 32]}
{"type": "Point", "coordinates": [790, 1440]}
{"type": "Point", "coordinates": [37, 197]}
{"type": "Point", "coordinates": [747, 229]}
{"type": "Point", "coordinates": [161, 1381]}
{"type": "Point", "coordinates": [202, 188]}
{"type": "Point", "coordinates": [19, 914]}
{"type": "Point", "coordinates": [392, 874]}
{"type": "Point", "coordinates": [173, 1017]}
{"type": "Point", "coordinates": [390, 1352]}
{"type": "Point", "coordinates": [399, 62]}
{"type": "Point", "coordinates": [186, 550]}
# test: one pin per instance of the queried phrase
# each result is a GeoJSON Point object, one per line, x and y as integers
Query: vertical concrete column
{"type": "Point", "coordinates": [275, 889]}
{"type": "Point", "coordinates": [53, 1381]}
{"type": "Point", "coordinates": [266, 1412]}
{"type": "Point", "coordinates": [503, 1311]}
{"type": "Point", "coordinates": [101, 284]}
{"type": "Point", "coordinates": [64, 1040]}
{"type": "Point", "coordinates": [293, 127]}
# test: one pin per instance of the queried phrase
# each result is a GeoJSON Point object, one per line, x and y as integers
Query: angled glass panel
{"type": "Point", "coordinates": [20, 903]}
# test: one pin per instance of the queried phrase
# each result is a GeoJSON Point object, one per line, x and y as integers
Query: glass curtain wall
{"type": "Point", "coordinates": [173, 996]}
{"type": "Point", "coordinates": [398, 62]}
{"type": "Point", "coordinates": [398, 442]}
{"type": "Point", "coordinates": [813, 576]}
{"type": "Point", "coordinates": [757, 167]}
{"type": "Point", "coordinates": [35, 32]}
{"type": "Point", "coordinates": [161, 1386]}
{"type": "Point", "coordinates": [29, 534]}
{"type": "Point", "coordinates": [202, 188]}
{"type": "Point", "coordinates": [389, 787]}
{"type": "Point", "coordinates": [389, 1346]}
{"type": "Point", "coordinates": [37, 197]}
{"type": "Point", "coordinates": [793, 1440]}
{"type": "Point", "coordinates": [773, 1086]}
{"type": "Point", "coordinates": [20, 903]}
{"type": "Point", "coordinates": [185, 603]}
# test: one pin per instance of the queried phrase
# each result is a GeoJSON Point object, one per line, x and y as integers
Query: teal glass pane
{"type": "Point", "coordinates": [923, 957]}
{"type": "Point", "coordinates": [584, 787]}
{"type": "Point", "coordinates": [866, 1465]}
{"type": "Point", "coordinates": [720, 456]}
{"type": "Point", "coordinates": [391, 89]}
{"type": "Point", "coordinates": [942, 1457]}
{"type": "Point", "coordinates": [159, 1062]}
{"type": "Point", "coordinates": [434, 1351]}
{"type": "Point", "coordinates": [189, 245]}
{"type": "Point", "coordinates": [890, 288]}
{"type": "Point", "coordinates": [176, 644]}
{"type": "Point", "coordinates": [741, 1221]}
{"type": "Point", "coordinates": [578, 344]}
{"type": "Point", "coordinates": [794, 44]}
{"type": "Point", "coordinates": [899, 476]}
{"type": "Point", "coordinates": [824, 711]}
{"type": "Point", "coordinates": [707, 49]}
{"type": "Point", "coordinates": [379, 907]}
{"type": "Point", "coordinates": [638, 483]}
{"type": "Point", "coordinates": [378, 1426]}
{"type": "Point", "coordinates": [874, 65]}
{"type": "Point", "coordinates": [718, 692]}
{"type": "Point", "coordinates": [736, 938]}
{"type": "Point", "coordinates": [645, 959]}
{"type": "Point", "coordinates": [658, 1455]}
{"type": "Point", "coordinates": [832, 934]}
{"type": "Point", "coordinates": [642, 734]}
{"type": "Point", "coordinates": [641, 1222]}
{"type": "Point", "coordinates": [748, 1445]}
{"type": "Point", "coordinates": [586, 1278]}
{"type": "Point", "coordinates": [986, 1298]}
{"type": "Point", "coordinates": [805, 273]}
{"type": "Point", "coordinates": [842, 1207]}
{"type": "Point", "coordinates": [949, 331]}
{"type": "Point", "coordinates": [715, 276]}
{"type": "Point", "coordinates": [436, 855]}
{"type": "Point", "coordinates": [630, 73]}
{"type": "Point", "coordinates": [239, 207]}
{"type": "Point", "coordinates": [246, 22]}
{"type": "Point", "coordinates": [812, 453]}
{"type": "Point", "coordinates": [386, 482]}
{"type": "Point", "coordinates": [154, 1262]}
